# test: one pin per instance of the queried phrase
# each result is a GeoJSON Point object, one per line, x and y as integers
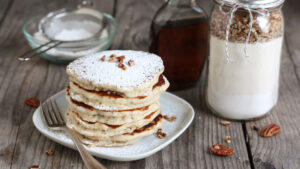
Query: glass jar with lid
{"type": "Point", "coordinates": [244, 57]}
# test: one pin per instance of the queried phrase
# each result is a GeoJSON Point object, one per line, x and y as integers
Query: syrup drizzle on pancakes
{"type": "Point", "coordinates": [115, 95]}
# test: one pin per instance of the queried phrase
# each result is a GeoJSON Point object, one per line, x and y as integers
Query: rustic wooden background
{"type": "Point", "coordinates": [21, 145]}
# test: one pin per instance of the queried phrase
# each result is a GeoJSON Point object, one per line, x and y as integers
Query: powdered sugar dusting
{"type": "Point", "coordinates": [97, 72]}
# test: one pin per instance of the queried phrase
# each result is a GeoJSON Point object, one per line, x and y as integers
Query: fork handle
{"type": "Point", "coordinates": [89, 161]}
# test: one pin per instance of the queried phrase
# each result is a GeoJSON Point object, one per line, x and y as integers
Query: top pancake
{"type": "Point", "coordinates": [94, 74]}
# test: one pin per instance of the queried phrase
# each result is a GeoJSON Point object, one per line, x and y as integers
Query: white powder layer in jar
{"type": "Point", "coordinates": [248, 87]}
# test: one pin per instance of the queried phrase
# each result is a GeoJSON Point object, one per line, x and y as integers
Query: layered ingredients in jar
{"type": "Point", "coordinates": [247, 87]}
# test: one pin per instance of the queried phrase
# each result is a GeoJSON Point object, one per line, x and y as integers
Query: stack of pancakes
{"type": "Point", "coordinates": [114, 97]}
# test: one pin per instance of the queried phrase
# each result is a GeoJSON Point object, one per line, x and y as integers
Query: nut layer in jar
{"type": "Point", "coordinates": [264, 28]}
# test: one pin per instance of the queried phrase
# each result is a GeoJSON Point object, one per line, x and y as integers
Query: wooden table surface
{"type": "Point", "coordinates": [21, 145]}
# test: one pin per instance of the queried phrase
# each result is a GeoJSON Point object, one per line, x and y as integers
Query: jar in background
{"type": "Point", "coordinates": [243, 70]}
{"type": "Point", "coordinates": [179, 35]}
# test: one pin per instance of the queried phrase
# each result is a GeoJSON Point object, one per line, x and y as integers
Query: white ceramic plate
{"type": "Point", "coordinates": [171, 105]}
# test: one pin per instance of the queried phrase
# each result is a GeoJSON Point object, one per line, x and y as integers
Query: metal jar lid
{"type": "Point", "coordinates": [254, 3]}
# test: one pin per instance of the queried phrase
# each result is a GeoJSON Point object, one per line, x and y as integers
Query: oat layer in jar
{"type": "Point", "coordinates": [244, 57]}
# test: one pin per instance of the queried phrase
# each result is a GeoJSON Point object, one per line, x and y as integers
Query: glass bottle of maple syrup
{"type": "Point", "coordinates": [179, 35]}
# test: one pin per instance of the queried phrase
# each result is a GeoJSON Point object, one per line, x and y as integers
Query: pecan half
{"type": "Point", "coordinates": [49, 152]}
{"type": "Point", "coordinates": [122, 66]}
{"type": "Point", "coordinates": [160, 134]}
{"type": "Point", "coordinates": [131, 63]}
{"type": "Point", "coordinates": [225, 123]}
{"type": "Point", "coordinates": [270, 130]}
{"type": "Point", "coordinates": [228, 139]}
{"type": "Point", "coordinates": [254, 127]}
{"type": "Point", "coordinates": [112, 56]}
{"type": "Point", "coordinates": [103, 58]}
{"type": "Point", "coordinates": [112, 59]}
{"type": "Point", "coordinates": [221, 150]}
{"type": "Point", "coordinates": [33, 102]}
{"type": "Point", "coordinates": [170, 119]}
{"type": "Point", "coordinates": [34, 167]}
{"type": "Point", "coordinates": [120, 59]}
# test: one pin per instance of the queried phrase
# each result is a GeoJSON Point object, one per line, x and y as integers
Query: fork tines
{"type": "Point", "coordinates": [52, 114]}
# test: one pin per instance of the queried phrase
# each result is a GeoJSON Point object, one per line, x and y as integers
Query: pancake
{"type": "Point", "coordinates": [94, 74]}
{"type": "Point", "coordinates": [119, 117]}
{"type": "Point", "coordinates": [114, 97]}
{"type": "Point", "coordinates": [126, 138]}
{"type": "Point", "coordinates": [112, 101]}
{"type": "Point", "coordinates": [98, 129]}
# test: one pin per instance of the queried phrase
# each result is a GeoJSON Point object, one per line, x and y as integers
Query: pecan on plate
{"type": "Point", "coordinates": [103, 58]}
{"type": "Point", "coordinates": [160, 134]}
{"type": "Point", "coordinates": [170, 119]}
{"type": "Point", "coordinates": [131, 63]}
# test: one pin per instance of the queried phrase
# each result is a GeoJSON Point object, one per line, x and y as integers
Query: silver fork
{"type": "Point", "coordinates": [55, 121]}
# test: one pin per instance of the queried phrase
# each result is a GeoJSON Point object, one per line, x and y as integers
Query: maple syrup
{"type": "Point", "coordinates": [181, 42]}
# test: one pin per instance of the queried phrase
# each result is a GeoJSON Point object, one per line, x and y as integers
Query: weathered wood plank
{"type": "Point", "coordinates": [6, 147]}
{"type": "Point", "coordinates": [5, 7]}
{"type": "Point", "coordinates": [21, 145]}
{"type": "Point", "coordinates": [191, 150]}
{"type": "Point", "coordinates": [134, 15]}
{"type": "Point", "coordinates": [292, 33]}
{"type": "Point", "coordinates": [282, 150]}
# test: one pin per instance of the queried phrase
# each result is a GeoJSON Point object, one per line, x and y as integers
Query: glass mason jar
{"type": "Point", "coordinates": [244, 57]}
{"type": "Point", "coordinates": [179, 35]}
